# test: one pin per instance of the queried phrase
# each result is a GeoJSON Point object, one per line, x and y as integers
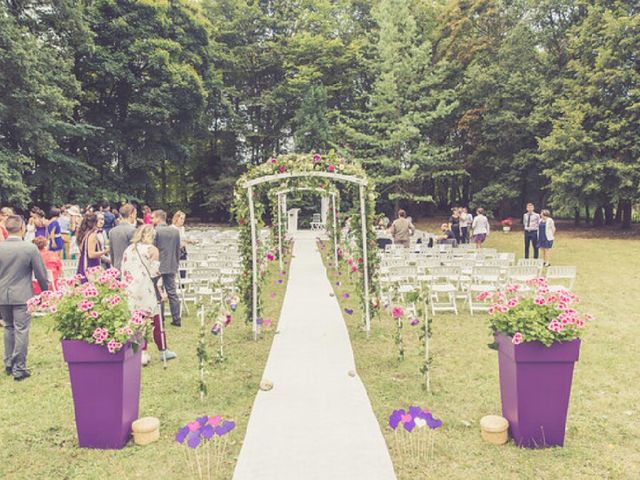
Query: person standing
{"type": "Point", "coordinates": [52, 263]}
{"type": "Point", "coordinates": [546, 234]}
{"type": "Point", "coordinates": [54, 233]}
{"type": "Point", "coordinates": [168, 242]}
{"type": "Point", "coordinates": [147, 218]}
{"type": "Point", "coordinates": [464, 225]}
{"type": "Point", "coordinates": [178, 222]}
{"type": "Point", "coordinates": [120, 237]}
{"type": "Point", "coordinates": [19, 263]}
{"type": "Point", "coordinates": [5, 212]}
{"type": "Point", "coordinates": [109, 218]}
{"type": "Point", "coordinates": [65, 231]}
{"type": "Point", "coordinates": [531, 221]}
{"type": "Point", "coordinates": [454, 223]}
{"type": "Point", "coordinates": [401, 229]}
{"type": "Point", "coordinates": [90, 253]}
{"type": "Point", "coordinates": [480, 227]}
{"type": "Point", "coordinates": [141, 263]}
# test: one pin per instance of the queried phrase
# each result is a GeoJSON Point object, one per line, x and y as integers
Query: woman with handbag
{"type": "Point", "coordinates": [140, 268]}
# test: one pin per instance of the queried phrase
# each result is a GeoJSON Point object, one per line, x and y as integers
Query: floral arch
{"type": "Point", "coordinates": [268, 182]}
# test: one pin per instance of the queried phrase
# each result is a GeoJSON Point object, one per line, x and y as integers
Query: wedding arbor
{"type": "Point", "coordinates": [330, 175]}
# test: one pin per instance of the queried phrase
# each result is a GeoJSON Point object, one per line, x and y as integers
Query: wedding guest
{"type": "Point", "coordinates": [401, 229]}
{"type": "Point", "coordinates": [76, 220]}
{"type": "Point", "coordinates": [65, 230]}
{"type": "Point", "coordinates": [531, 221]}
{"type": "Point", "coordinates": [102, 238]}
{"type": "Point", "coordinates": [168, 242]}
{"type": "Point", "coordinates": [446, 235]}
{"type": "Point", "coordinates": [39, 222]}
{"type": "Point", "coordinates": [54, 232]}
{"type": "Point", "coordinates": [178, 222]}
{"type": "Point", "coordinates": [90, 253]}
{"type": "Point", "coordinates": [120, 237]}
{"type": "Point", "coordinates": [147, 218]}
{"type": "Point", "coordinates": [480, 227]}
{"type": "Point", "coordinates": [19, 263]}
{"type": "Point", "coordinates": [52, 263]}
{"type": "Point", "coordinates": [5, 212]}
{"type": "Point", "coordinates": [141, 263]}
{"type": "Point", "coordinates": [546, 234]}
{"type": "Point", "coordinates": [465, 223]}
{"type": "Point", "coordinates": [454, 223]}
{"type": "Point", "coordinates": [109, 218]}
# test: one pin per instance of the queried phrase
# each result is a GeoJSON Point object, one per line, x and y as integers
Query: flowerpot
{"type": "Point", "coordinates": [506, 229]}
{"type": "Point", "coordinates": [535, 385]}
{"type": "Point", "coordinates": [106, 392]}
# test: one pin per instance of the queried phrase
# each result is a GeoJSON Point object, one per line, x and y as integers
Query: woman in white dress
{"type": "Point", "coordinates": [141, 264]}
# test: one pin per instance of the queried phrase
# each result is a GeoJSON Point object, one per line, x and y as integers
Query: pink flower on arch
{"type": "Point", "coordinates": [397, 312]}
{"type": "Point", "coordinates": [316, 158]}
{"type": "Point", "coordinates": [282, 168]}
{"type": "Point", "coordinates": [331, 168]}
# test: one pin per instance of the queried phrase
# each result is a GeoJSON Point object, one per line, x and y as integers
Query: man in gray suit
{"type": "Point", "coordinates": [168, 242]}
{"type": "Point", "coordinates": [19, 262]}
{"type": "Point", "coordinates": [120, 236]}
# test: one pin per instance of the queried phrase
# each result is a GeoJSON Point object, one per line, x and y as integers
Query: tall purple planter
{"type": "Point", "coordinates": [106, 392]}
{"type": "Point", "coordinates": [535, 385]}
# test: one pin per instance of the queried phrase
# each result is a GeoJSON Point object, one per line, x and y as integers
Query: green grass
{"type": "Point", "coordinates": [37, 429]}
{"type": "Point", "coordinates": [603, 427]}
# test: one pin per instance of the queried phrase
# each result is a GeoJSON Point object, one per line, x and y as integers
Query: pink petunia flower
{"type": "Point", "coordinates": [517, 338]}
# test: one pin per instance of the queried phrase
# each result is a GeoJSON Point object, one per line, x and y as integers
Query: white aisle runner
{"type": "Point", "coordinates": [317, 422]}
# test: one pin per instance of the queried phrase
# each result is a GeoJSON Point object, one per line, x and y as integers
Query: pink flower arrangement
{"type": "Point", "coordinates": [521, 317]}
{"type": "Point", "coordinates": [96, 312]}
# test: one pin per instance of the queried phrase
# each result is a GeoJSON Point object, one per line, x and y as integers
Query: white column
{"type": "Point", "coordinates": [335, 230]}
{"type": "Point", "coordinates": [254, 262]}
{"type": "Point", "coordinates": [324, 208]}
{"type": "Point", "coordinates": [280, 230]}
{"type": "Point", "coordinates": [363, 221]}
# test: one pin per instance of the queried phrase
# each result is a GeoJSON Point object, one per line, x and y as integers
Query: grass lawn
{"type": "Point", "coordinates": [603, 427]}
{"type": "Point", "coordinates": [37, 428]}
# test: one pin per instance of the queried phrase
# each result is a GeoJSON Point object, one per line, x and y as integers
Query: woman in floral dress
{"type": "Point", "coordinates": [140, 267]}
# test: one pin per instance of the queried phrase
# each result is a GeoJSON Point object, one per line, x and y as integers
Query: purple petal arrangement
{"type": "Point", "coordinates": [412, 418]}
{"type": "Point", "coordinates": [205, 433]}
{"type": "Point", "coordinates": [413, 441]}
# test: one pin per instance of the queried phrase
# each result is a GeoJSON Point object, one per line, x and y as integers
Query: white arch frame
{"type": "Point", "coordinates": [361, 182]}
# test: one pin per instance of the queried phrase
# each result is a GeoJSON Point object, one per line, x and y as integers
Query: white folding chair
{"type": "Point", "coordinates": [561, 278]}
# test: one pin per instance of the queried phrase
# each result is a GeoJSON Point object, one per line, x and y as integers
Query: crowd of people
{"type": "Point", "coordinates": [146, 250]}
{"type": "Point", "coordinates": [462, 227]}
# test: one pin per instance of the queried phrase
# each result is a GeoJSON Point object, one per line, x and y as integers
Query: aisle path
{"type": "Point", "coordinates": [317, 422]}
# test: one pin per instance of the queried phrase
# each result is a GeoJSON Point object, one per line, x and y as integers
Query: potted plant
{"type": "Point", "coordinates": [100, 343]}
{"type": "Point", "coordinates": [538, 341]}
{"type": "Point", "coordinates": [506, 224]}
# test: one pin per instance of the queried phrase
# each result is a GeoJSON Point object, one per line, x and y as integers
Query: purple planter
{"type": "Point", "coordinates": [106, 392]}
{"type": "Point", "coordinates": [535, 385]}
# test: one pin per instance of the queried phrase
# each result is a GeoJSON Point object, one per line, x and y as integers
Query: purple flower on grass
{"type": "Point", "coordinates": [207, 432]}
{"type": "Point", "coordinates": [410, 425]}
{"type": "Point", "coordinates": [414, 322]}
{"type": "Point", "coordinates": [395, 418]}
{"type": "Point", "coordinates": [228, 425]}
{"type": "Point", "coordinates": [202, 420]}
{"type": "Point", "coordinates": [280, 281]}
{"type": "Point", "coordinates": [194, 439]}
{"type": "Point", "coordinates": [433, 423]}
{"type": "Point", "coordinates": [259, 321]}
{"type": "Point", "coordinates": [182, 434]}
{"type": "Point", "coordinates": [345, 295]}
{"type": "Point", "coordinates": [338, 283]}
{"type": "Point", "coordinates": [415, 411]}
{"type": "Point", "coordinates": [348, 311]}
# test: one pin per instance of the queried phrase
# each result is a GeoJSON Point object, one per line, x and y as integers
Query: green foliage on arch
{"type": "Point", "coordinates": [282, 167]}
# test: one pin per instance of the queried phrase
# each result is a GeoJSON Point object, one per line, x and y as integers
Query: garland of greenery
{"type": "Point", "coordinates": [297, 163]}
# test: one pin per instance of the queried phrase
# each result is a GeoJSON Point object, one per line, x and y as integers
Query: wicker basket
{"type": "Point", "coordinates": [495, 429]}
{"type": "Point", "coordinates": [146, 430]}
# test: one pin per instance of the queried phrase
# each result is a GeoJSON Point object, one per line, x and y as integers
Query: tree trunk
{"type": "Point", "coordinates": [576, 216]}
{"type": "Point", "coordinates": [619, 212]}
{"type": "Point", "coordinates": [587, 215]}
{"type": "Point", "coordinates": [598, 217]}
{"type": "Point", "coordinates": [626, 214]}
{"type": "Point", "coordinates": [608, 214]}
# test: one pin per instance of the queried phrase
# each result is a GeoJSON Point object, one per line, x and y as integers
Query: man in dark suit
{"type": "Point", "coordinates": [120, 237]}
{"type": "Point", "coordinates": [168, 242]}
{"type": "Point", "coordinates": [19, 262]}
